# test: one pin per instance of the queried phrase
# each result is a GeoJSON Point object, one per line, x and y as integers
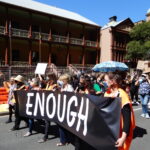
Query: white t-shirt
{"type": "Point", "coordinates": [67, 88]}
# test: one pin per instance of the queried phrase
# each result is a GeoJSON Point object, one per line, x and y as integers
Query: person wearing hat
{"type": "Point", "coordinates": [144, 93]}
{"type": "Point", "coordinates": [19, 80]}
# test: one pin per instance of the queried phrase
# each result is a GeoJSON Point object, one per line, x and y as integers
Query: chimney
{"type": "Point", "coordinates": [113, 18]}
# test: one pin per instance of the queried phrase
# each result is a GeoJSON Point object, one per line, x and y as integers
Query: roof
{"type": "Point", "coordinates": [51, 10]}
{"type": "Point", "coordinates": [111, 24]}
{"type": "Point", "coordinates": [115, 23]}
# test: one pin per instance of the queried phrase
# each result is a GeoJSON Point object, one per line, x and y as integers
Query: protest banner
{"type": "Point", "coordinates": [94, 119]}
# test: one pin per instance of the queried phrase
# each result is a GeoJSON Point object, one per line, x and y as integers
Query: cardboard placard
{"type": "Point", "coordinates": [41, 68]}
{"type": "Point", "coordinates": [140, 65]}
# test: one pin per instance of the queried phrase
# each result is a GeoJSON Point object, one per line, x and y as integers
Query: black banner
{"type": "Point", "coordinates": [94, 119]}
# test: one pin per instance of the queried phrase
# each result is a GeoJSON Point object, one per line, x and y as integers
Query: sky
{"type": "Point", "coordinates": [99, 11]}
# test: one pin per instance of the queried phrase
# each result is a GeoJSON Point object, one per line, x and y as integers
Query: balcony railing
{"type": "Point", "coordinates": [2, 30]}
{"type": "Point", "coordinates": [76, 41]}
{"type": "Point", "coordinates": [36, 35]}
{"type": "Point", "coordinates": [60, 39]}
{"type": "Point", "coordinates": [91, 43]}
{"type": "Point", "coordinates": [19, 33]}
{"type": "Point", "coordinates": [45, 37]}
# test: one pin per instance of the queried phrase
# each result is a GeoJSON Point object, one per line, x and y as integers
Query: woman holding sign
{"type": "Point", "coordinates": [64, 85]}
{"type": "Point", "coordinates": [114, 82]}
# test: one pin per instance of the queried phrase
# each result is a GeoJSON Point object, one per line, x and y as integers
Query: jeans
{"type": "Point", "coordinates": [64, 135]}
{"type": "Point", "coordinates": [47, 125]}
{"type": "Point", "coordinates": [144, 100]}
{"type": "Point", "coordinates": [31, 123]}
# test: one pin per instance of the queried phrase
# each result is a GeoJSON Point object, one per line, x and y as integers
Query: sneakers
{"type": "Point", "coordinates": [27, 134]}
{"type": "Point", "coordinates": [60, 144]}
{"type": "Point", "coordinates": [137, 103]}
{"type": "Point", "coordinates": [143, 115]}
{"type": "Point", "coordinates": [42, 140]}
{"type": "Point", "coordinates": [147, 116]}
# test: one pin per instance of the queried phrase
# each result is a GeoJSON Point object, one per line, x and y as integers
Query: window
{"type": "Point", "coordinates": [15, 55]}
{"type": "Point", "coordinates": [35, 56]}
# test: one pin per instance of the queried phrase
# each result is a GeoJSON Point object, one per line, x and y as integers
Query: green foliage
{"type": "Point", "coordinates": [139, 46]}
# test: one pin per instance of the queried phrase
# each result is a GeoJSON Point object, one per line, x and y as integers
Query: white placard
{"type": "Point", "coordinates": [41, 68]}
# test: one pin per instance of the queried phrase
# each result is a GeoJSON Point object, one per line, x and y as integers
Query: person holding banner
{"type": "Point", "coordinates": [114, 82]}
{"type": "Point", "coordinates": [34, 84]}
{"type": "Point", "coordinates": [19, 80]}
{"type": "Point", "coordinates": [50, 86]}
{"type": "Point", "coordinates": [64, 86]}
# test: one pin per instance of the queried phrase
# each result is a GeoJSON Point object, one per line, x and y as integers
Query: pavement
{"type": "Point", "coordinates": [3, 109]}
{"type": "Point", "coordinates": [15, 140]}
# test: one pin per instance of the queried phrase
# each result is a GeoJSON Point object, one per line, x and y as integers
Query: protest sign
{"type": "Point", "coordinates": [41, 68]}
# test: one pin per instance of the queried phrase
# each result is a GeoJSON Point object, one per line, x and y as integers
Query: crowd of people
{"type": "Point", "coordinates": [133, 89]}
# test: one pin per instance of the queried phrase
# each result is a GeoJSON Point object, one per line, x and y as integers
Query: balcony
{"type": "Point", "coordinates": [91, 43]}
{"type": "Point", "coordinates": [119, 45]}
{"type": "Point", "coordinates": [36, 35]}
{"type": "Point", "coordinates": [2, 30]}
{"type": "Point", "coordinates": [45, 37]}
{"type": "Point", "coordinates": [76, 41]}
{"type": "Point", "coordinates": [20, 33]}
{"type": "Point", "coordinates": [58, 38]}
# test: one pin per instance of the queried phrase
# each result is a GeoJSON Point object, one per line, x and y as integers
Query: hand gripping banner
{"type": "Point", "coordinates": [94, 119]}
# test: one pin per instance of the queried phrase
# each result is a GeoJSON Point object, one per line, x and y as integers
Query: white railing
{"type": "Point", "coordinates": [2, 30]}
{"type": "Point", "coordinates": [76, 41]}
{"type": "Point", "coordinates": [19, 33]}
{"type": "Point", "coordinates": [36, 35]}
{"type": "Point", "coordinates": [58, 38]}
{"type": "Point", "coordinates": [91, 43]}
{"type": "Point", "coordinates": [45, 36]}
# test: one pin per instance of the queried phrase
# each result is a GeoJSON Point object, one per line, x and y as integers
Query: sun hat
{"type": "Point", "coordinates": [19, 78]}
{"type": "Point", "coordinates": [144, 75]}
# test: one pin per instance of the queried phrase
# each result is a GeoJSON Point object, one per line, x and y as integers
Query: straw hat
{"type": "Point", "coordinates": [19, 78]}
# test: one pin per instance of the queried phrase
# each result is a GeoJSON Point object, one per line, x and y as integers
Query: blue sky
{"type": "Point", "coordinates": [100, 10]}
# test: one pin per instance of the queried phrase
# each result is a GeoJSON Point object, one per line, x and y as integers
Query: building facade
{"type": "Point", "coordinates": [114, 38]}
{"type": "Point", "coordinates": [32, 32]}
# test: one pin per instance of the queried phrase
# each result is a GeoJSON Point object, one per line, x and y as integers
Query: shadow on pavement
{"type": "Point", "coordinates": [139, 132]}
{"type": "Point", "coordinates": [39, 127]}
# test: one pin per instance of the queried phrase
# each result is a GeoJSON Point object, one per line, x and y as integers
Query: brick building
{"type": "Point", "coordinates": [32, 32]}
{"type": "Point", "coordinates": [114, 39]}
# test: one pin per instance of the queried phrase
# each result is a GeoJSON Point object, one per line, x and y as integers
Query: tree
{"type": "Point", "coordinates": [139, 46]}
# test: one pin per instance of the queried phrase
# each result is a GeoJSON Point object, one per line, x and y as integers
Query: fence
{"type": "Point", "coordinates": [25, 71]}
